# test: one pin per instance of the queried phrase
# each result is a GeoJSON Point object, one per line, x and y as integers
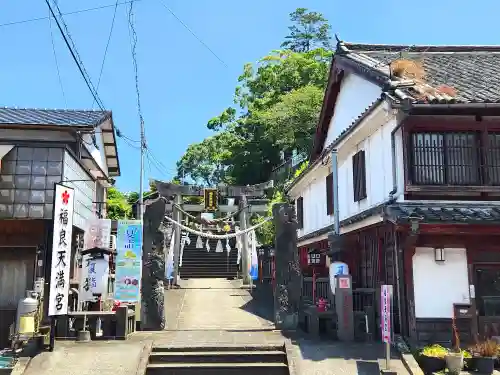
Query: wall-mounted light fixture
{"type": "Point", "coordinates": [439, 254]}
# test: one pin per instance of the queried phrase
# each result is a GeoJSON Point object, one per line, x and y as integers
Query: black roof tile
{"type": "Point", "coordinates": [445, 213]}
{"type": "Point", "coordinates": [472, 72]}
{"type": "Point", "coordinates": [58, 117]}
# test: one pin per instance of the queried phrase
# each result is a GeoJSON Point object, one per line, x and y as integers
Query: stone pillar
{"type": "Point", "coordinates": [153, 269]}
{"type": "Point", "coordinates": [177, 237]}
{"type": "Point", "coordinates": [343, 308]}
{"type": "Point", "coordinates": [288, 275]}
{"type": "Point", "coordinates": [244, 241]}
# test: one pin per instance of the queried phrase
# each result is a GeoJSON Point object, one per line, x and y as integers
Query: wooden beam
{"type": "Point", "coordinates": [222, 208]}
{"type": "Point", "coordinates": [168, 189]}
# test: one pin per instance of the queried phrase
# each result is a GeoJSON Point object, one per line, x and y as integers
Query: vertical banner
{"type": "Point", "coordinates": [98, 234]}
{"type": "Point", "coordinates": [61, 250]}
{"type": "Point", "coordinates": [385, 303]}
{"type": "Point", "coordinates": [94, 278]}
{"type": "Point", "coordinates": [253, 263]}
{"type": "Point", "coordinates": [128, 261]}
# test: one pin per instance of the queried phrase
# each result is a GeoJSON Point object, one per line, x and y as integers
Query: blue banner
{"type": "Point", "coordinates": [128, 261]}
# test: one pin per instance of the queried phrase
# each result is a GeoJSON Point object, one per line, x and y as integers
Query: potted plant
{"type": "Point", "coordinates": [484, 354]}
{"type": "Point", "coordinates": [432, 358]}
{"type": "Point", "coordinates": [455, 357]}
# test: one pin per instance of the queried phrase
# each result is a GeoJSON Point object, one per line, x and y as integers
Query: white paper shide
{"type": "Point", "coordinates": [61, 250]}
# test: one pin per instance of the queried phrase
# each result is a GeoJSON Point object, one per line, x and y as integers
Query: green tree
{"type": "Point", "coordinates": [309, 30]}
{"type": "Point", "coordinates": [277, 102]}
{"type": "Point", "coordinates": [118, 206]}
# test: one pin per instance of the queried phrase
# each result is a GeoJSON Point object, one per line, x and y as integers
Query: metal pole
{"type": "Point", "coordinates": [387, 355]}
{"type": "Point", "coordinates": [244, 251]}
{"type": "Point", "coordinates": [177, 238]}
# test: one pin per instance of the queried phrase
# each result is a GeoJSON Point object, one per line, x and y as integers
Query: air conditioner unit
{"type": "Point", "coordinates": [112, 242]}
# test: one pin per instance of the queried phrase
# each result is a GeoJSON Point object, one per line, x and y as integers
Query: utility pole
{"type": "Point", "coordinates": [141, 306]}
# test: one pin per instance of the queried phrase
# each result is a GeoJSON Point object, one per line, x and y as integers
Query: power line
{"type": "Point", "coordinates": [57, 64]}
{"type": "Point", "coordinates": [193, 33]}
{"type": "Point", "coordinates": [65, 14]}
{"type": "Point", "coordinates": [74, 54]}
{"type": "Point", "coordinates": [107, 46]}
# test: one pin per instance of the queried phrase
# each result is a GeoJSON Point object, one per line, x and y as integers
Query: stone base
{"type": "Point", "coordinates": [290, 322]}
{"type": "Point", "coordinates": [83, 336]}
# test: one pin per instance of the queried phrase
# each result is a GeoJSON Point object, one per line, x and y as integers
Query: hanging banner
{"type": "Point", "coordinates": [169, 258]}
{"type": "Point", "coordinates": [385, 301]}
{"type": "Point", "coordinates": [94, 278]}
{"type": "Point", "coordinates": [61, 250]}
{"type": "Point", "coordinates": [253, 263]}
{"type": "Point", "coordinates": [128, 261]}
{"type": "Point", "coordinates": [211, 199]}
{"type": "Point", "coordinates": [98, 234]}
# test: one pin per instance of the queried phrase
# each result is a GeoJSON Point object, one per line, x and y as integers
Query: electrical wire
{"type": "Point", "coordinates": [107, 46]}
{"type": "Point", "coordinates": [192, 33]}
{"type": "Point", "coordinates": [72, 49]}
{"type": "Point", "coordinates": [57, 63]}
{"type": "Point", "coordinates": [65, 14]}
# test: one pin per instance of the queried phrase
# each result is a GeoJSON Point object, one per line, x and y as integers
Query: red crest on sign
{"type": "Point", "coordinates": [65, 197]}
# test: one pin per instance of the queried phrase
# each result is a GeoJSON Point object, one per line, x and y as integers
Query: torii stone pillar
{"type": "Point", "coordinates": [288, 275]}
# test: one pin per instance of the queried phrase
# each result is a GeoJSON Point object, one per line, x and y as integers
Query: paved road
{"type": "Point", "coordinates": [211, 313]}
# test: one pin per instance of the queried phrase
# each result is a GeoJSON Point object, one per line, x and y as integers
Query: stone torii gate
{"type": "Point", "coordinates": [153, 239]}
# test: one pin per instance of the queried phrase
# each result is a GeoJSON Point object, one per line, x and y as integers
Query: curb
{"type": "Point", "coordinates": [144, 358]}
{"type": "Point", "coordinates": [21, 365]}
{"type": "Point", "coordinates": [408, 360]}
{"type": "Point", "coordinates": [291, 357]}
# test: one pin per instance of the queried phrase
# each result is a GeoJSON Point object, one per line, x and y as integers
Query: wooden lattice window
{"type": "Point", "coordinates": [458, 158]}
{"type": "Point", "coordinates": [359, 176]}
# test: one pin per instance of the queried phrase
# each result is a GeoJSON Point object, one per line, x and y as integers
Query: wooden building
{"type": "Point", "coordinates": [417, 134]}
{"type": "Point", "coordinates": [39, 148]}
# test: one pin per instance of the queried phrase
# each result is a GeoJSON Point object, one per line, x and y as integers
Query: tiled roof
{"type": "Point", "coordinates": [452, 74]}
{"type": "Point", "coordinates": [58, 117]}
{"type": "Point", "coordinates": [445, 213]}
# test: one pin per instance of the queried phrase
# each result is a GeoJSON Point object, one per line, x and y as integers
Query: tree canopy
{"type": "Point", "coordinates": [277, 103]}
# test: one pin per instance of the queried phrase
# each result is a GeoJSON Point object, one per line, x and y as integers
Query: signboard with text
{"type": "Point", "coordinates": [61, 250]}
{"type": "Point", "coordinates": [128, 261]}
{"type": "Point", "coordinates": [211, 203]}
{"type": "Point", "coordinates": [385, 314]}
{"type": "Point", "coordinates": [98, 234]}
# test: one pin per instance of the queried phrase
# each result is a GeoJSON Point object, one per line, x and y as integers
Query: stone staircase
{"type": "Point", "coordinates": [268, 360]}
{"type": "Point", "coordinates": [198, 263]}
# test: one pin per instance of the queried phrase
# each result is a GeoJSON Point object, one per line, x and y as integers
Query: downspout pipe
{"type": "Point", "coordinates": [393, 154]}
{"type": "Point", "coordinates": [335, 178]}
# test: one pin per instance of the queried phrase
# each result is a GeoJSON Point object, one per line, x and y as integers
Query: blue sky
{"type": "Point", "coordinates": [182, 84]}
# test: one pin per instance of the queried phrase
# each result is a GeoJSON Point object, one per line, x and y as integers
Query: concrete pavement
{"type": "Point", "coordinates": [212, 312]}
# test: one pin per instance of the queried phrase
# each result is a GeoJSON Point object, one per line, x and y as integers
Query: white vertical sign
{"type": "Point", "coordinates": [386, 296]}
{"type": "Point", "coordinates": [98, 234]}
{"type": "Point", "coordinates": [61, 250]}
{"type": "Point", "coordinates": [94, 279]}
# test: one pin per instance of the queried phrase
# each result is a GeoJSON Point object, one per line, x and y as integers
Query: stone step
{"type": "Point", "coordinates": [217, 369]}
{"type": "Point", "coordinates": [231, 348]}
{"type": "Point", "coordinates": [253, 356]}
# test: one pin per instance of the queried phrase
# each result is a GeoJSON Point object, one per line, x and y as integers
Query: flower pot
{"type": "Point", "coordinates": [484, 365]}
{"type": "Point", "coordinates": [454, 362]}
{"type": "Point", "coordinates": [432, 364]}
